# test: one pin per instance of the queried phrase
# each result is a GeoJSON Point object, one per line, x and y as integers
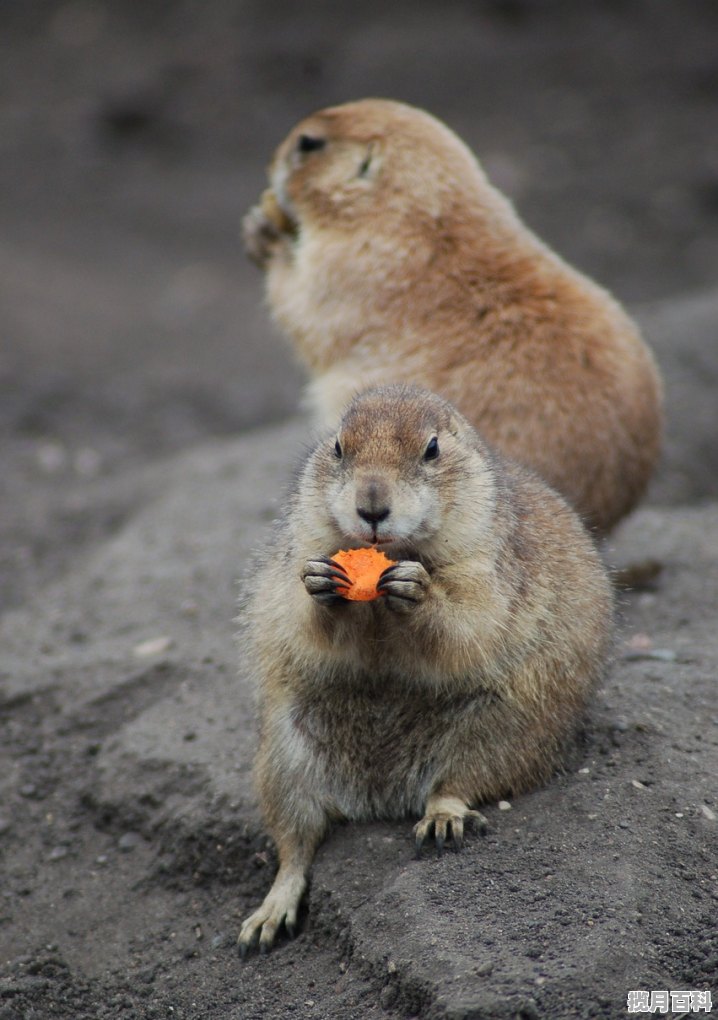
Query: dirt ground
{"type": "Point", "coordinates": [147, 417]}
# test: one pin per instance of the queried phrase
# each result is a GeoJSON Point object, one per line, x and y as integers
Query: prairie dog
{"type": "Point", "coordinates": [389, 257]}
{"type": "Point", "coordinates": [460, 684]}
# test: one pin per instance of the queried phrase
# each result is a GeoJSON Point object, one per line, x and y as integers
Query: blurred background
{"type": "Point", "coordinates": [134, 135]}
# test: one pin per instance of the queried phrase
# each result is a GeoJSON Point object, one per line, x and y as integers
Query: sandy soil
{"type": "Point", "coordinates": [147, 435]}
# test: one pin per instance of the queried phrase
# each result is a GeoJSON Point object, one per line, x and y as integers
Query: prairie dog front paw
{"type": "Point", "coordinates": [321, 578]}
{"type": "Point", "coordinates": [261, 235]}
{"type": "Point", "coordinates": [405, 585]}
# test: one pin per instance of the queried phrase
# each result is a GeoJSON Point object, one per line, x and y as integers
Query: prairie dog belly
{"type": "Point", "coordinates": [377, 754]}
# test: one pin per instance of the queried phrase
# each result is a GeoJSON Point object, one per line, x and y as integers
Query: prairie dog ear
{"type": "Point", "coordinates": [456, 425]}
{"type": "Point", "coordinates": [369, 163]}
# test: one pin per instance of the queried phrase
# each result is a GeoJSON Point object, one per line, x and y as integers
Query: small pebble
{"type": "Point", "coordinates": [639, 643]}
{"type": "Point", "coordinates": [153, 646]}
{"type": "Point", "coordinates": [504, 805]}
{"type": "Point", "coordinates": [5, 825]}
{"type": "Point", "coordinates": [638, 784]}
{"type": "Point", "coordinates": [708, 813]}
{"type": "Point", "coordinates": [57, 853]}
{"type": "Point", "coordinates": [28, 790]}
{"type": "Point", "coordinates": [51, 457]}
{"type": "Point", "coordinates": [583, 772]}
{"type": "Point", "coordinates": [128, 841]}
{"type": "Point", "coordinates": [664, 654]}
{"type": "Point", "coordinates": [485, 968]}
{"type": "Point", "coordinates": [658, 654]}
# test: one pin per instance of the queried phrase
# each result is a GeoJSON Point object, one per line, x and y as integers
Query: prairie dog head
{"type": "Point", "coordinates": [348, 162]}
{"type": "Point", "coordinates": [404, 471]}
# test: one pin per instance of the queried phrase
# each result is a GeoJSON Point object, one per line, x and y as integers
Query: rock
{"type": "Point", "coordinates": [129, 841]}
{"type": "Point", "coordinates": [152, 646]}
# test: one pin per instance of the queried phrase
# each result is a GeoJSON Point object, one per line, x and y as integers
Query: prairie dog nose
{"type": "Point", "coordinates": [372, 502]}
{"type": "Point", "coordinates": [374, 517]}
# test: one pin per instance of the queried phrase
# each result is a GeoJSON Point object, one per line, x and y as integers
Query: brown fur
{"type": "Point", "coordinates": [391, 258]}
{"type": "Point", "coordinates": [462, 683]}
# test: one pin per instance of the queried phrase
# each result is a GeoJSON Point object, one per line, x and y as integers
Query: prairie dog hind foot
{"type": "Point", "coordinates": [445, 818]}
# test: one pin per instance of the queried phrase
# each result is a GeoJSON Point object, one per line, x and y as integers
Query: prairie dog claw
{"type": "Point", "coordinates": [445, 818]}
{"type": "Point", "coordinates": [321, 578]}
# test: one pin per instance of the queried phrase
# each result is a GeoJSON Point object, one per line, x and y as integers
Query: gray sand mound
{"type": "Point", "coordinates": [602, 882]}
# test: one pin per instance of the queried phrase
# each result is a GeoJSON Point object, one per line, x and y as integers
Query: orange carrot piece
{"type": "Point", "coordinates": [363, 567]}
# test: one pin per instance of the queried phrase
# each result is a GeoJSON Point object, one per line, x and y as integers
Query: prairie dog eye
{"type": "Point", "coordinates": [338, 450]}
{"type": "Point", "coordinates": [432, 449]}
{"type": "Point", "coordinates": [308, 143]}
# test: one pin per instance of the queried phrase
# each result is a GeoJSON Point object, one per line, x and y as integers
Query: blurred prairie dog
{"type": "Point", "coordinates": [390, 258]}
{"type": "Point", "coordinates": [462, 683]}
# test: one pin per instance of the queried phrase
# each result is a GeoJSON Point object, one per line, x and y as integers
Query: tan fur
{"type": "Point", "coordinates": [402, 263]}
{"type": "Point", "coordinates": [462, 683]}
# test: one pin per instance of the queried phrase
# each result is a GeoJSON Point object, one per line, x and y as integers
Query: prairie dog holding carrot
{"type": "Point", "coordinates": [389, 257]}
{"type": "Point", "coordinates": [461, 683]}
